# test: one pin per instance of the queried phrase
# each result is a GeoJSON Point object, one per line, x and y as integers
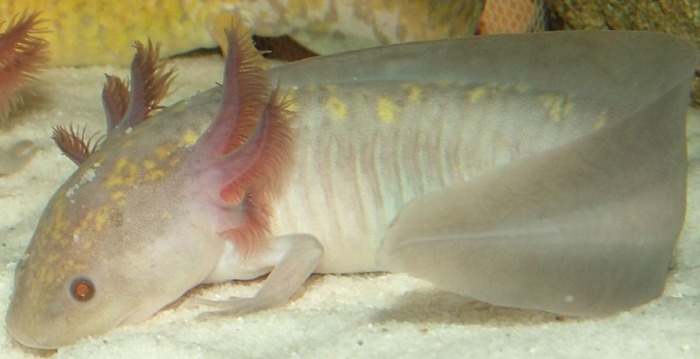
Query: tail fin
{"type": "Point", "coordinates": [587, 228]}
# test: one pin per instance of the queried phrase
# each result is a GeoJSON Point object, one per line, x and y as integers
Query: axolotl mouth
{"type": "Point", "coordinates": [40, 339]}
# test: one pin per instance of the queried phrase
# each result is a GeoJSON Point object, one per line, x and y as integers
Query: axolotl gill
{"type": "Point", "coordinates": [95, 32]}
{"type": "Point", "coordinates": [22, 55]}
{"type": "Point", "coordinates": [526, 182]}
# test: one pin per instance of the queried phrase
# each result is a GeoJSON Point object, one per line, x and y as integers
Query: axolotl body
{"type": "Point", "coordinates": [538, 189]}
{"type": "Point", "coordinates": [94, 32]}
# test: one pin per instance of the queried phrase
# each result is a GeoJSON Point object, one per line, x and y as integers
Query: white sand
{"type": "Point", "coordinates": [357, 316]}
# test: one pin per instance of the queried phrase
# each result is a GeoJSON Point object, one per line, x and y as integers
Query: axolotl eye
{"type": "Point", "coordinates": [82, 289]}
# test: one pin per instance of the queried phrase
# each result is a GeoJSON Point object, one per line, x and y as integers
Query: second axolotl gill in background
{"type": "Point", "coordinates": [22, 55]}
{"type": "Point", "coordinates": [553, 178]}
{"type": "Point", "coordinates": [97, 32]}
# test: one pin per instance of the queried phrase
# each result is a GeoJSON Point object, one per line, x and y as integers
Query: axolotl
{"type": "Point", "coordinates": [95, 32]}
{"type": "Point", "coordinates": [551, 179]}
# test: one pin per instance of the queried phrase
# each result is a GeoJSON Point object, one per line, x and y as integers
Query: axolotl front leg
{"type": "Point", "coordinates": [293, 258]}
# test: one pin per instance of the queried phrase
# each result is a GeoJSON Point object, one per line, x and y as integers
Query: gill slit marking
{"type": "Point", "coordinates": [443, 154]}
{"type": "Point", "coordinates": [313, 166]}
{"type": "Point", "coordinates": [332, 188]}
{"type": "Point", "coordinates": [354, 153]}
{"type": "Point", "coordinates": [364, 167]}
{"type": "Point", "coordinates": [373, 160]}
{"type": "Point", "coordinates": [401, 164]}
{"type": "Point", "coordinates": [423, 160]}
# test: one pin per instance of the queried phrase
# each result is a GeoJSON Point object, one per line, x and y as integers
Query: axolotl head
{"type": "Point", "coordinates": [123, 237]}
{"type": "Point", "coordinates": [115, 244]}
{"type": "Point", "coordinates": [90, 268]}
{"type": "Point", "coordinates": [145, 217]}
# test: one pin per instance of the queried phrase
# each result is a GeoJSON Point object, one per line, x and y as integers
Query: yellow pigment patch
{"type": "Point", "coordinates": [557, 106]}
{"type": "Point", "coordinates": [414, 92]}
{"type": "Point", "coordinates": [100, 219]}
{"type": "Point", "coordinates": [311, 88]}
{"type": "Point", "coordinates": [127, 143]}
{"type": "Point", "coordinates": [291, 104]}
{"type": "Point", "coordinates": [166, 150]}
{"type": "Point", "coordinates": [152, 172]}
{"type": "Point", "coordinates": [60, 223]}
{"type": "Point", "coordinates": [153, 175]}
{"type": "Point", "coordinates": [188, 138]}
{"type": "Point", "coordinates": [387, 110]}
{"type": "Point", "coordinates": [175, 161]}
{"type": "Point", "coordinates": [118, 196]}
{"type": "Point", "coordinates": [601, 120]}
{"type": "Point", "coordinates": [52, 257]}
{"type": "Point", "coordinates": [476, 94]}
{"type": "Point", "coordinates": [125, 174]}
{"type": "Point", "coordinates": [522, 88]}
{"type": "Point", "coordinates": [85, 222]}
{"type": "Point", "coordinates": [149, 165]}
{"type": "Point", "coordinates": [165, 214]}
{"type": "Point", "coordinates": [179, 106]}
{"type": "Point", "coordinates": [337, 108]}
{"type": "Point", "coordinates": [66, 266]}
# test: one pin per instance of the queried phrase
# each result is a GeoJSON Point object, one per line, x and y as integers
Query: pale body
{"type": "Point", "coordinates": [361, 152]}
{"type": "Point", "coordinates": [540, 181]}
{"type": "Point", "coordinates": [386, 143]}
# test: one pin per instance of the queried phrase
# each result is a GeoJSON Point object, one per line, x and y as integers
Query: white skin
{"type": "Point", "coordinates": [484, 189]}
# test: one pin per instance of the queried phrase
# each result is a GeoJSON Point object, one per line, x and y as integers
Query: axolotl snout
{"type": "Point", "coordinates": [524, 181]}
